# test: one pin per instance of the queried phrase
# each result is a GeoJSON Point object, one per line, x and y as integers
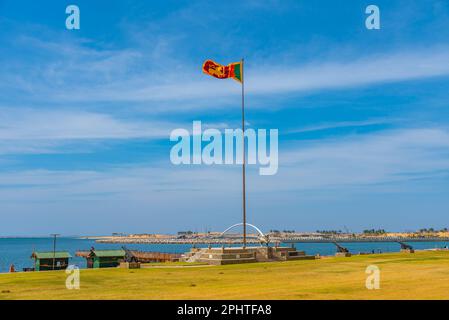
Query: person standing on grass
{"type": "Point", "coordinates": [12, 268]}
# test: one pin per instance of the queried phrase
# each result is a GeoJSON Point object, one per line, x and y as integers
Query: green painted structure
{"type": "Point", "coordinates": [58, 260]}
{"type": "Point", "coordinates": [105, 258]}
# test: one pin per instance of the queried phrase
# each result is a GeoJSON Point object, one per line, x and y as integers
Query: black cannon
{"type": "Point", "coordinates": [341, 249]}
{"type": "Point", "coordinates": [265, 239]}
{"type": "Point", "coordinates": [406, 247]}
{"type": "Point", "coordinates": [129, 256]}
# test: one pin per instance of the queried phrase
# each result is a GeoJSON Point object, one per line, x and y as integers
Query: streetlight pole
{"type": "Point", "coordinates": [54, 248]}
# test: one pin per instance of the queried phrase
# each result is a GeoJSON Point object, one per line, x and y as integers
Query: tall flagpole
{"type": "Point", "coordinates": [244, 157]}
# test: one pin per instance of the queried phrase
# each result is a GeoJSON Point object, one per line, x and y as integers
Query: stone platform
{"type": "Point", "coordinates": [234, 255]}
{"type": "Point", "coordinates": [343, 254]}
{"type": "Point", "coordinates": [129, 265]}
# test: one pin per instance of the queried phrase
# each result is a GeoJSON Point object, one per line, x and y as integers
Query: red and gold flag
{"type": "Point", "coordinates": [233, 70]}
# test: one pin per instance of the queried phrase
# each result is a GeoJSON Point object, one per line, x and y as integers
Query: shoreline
{"type": "Point", "coordinates": [148, 240]}
{"type": "Point", "coordinates": [315, 254]}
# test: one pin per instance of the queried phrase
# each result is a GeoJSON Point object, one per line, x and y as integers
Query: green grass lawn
{"type": "Point", "coordinates": [170, 264]}
{"type": "Point", "coordinates": [422, 275]}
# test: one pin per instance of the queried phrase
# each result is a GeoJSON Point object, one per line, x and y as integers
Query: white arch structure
{"type": "Point", "coordinates": [241, 224]}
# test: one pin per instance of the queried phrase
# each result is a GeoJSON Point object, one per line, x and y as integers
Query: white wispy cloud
{"type": "Point", "coordinates": [410, 64]}
{"type": "Point", "coordinates": [406, 160]}
{"type": "Point", "coordinates": [26, 124]}
{"type": "Point", "coordinates": [30, 131]}
{"type": "Point", "coordinates": [378, 158]}
{"type": "Point", "coordinates": [127, 75]}
{"type": "Point", "coordinates": [341, 124]}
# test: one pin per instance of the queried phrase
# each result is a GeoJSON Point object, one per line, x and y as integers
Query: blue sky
{"type": "Point", "coordinates": [363, 115]}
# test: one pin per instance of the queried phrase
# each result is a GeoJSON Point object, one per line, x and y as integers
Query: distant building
{"type": "Point", "coordinates": [58, 260]}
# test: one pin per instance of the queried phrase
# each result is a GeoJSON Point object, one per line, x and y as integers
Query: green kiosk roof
{"type": "Point", "coordinates": [109, 253]}
{"type": "Point", "coordinates": [51, 254]}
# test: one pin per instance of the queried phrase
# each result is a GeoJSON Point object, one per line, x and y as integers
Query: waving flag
{"type": "Point", "coordinates": [233, 70]}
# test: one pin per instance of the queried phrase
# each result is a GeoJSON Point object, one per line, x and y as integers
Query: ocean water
{"type": "Point", "coordinates": [17, 251]}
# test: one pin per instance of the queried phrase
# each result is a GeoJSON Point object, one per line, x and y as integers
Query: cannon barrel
{"type": "Point", "coordinates": [405, 246]}
{"type": "Point", "coordinates": [340, 248]}
{"type": "Point", "coordinates": [129, 256]}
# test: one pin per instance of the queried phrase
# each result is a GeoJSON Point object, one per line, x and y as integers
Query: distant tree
{"type": "Point", "coordinates": [427, 230]}
{"type": "Point", "coordinates": [374, 231]}
{"type": "Point", "coordinates": [328, 232]}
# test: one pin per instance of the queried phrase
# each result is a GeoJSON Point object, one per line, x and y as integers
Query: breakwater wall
{"type": "Point", "coordinates": [272, 240]}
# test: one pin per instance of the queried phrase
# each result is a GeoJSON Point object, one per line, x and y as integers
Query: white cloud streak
{"type": "Point", "coordinates": [414, 63]}
{"type": "Point", "coordinates": [383, 157]}
{"type": "Point", "coordinates": [26, 124]}
{"type": "Point", "coordinates": [281, 79]}
{"type": "Point", "coordinates": [372, 163]}
{"type": "Point", "coordinates": [371, 159]}
{"type": "Point", "coordinates": [342, 124]}
{"type": "Point", "coordinates": [31, 131]}
{"type": "Point", "coordinates": [127, 76]}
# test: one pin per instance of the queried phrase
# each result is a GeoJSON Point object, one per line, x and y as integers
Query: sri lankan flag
{"type": "Point", "coordinates": [233, 70]}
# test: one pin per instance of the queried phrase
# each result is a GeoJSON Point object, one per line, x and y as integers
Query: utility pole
{"type": "Point", "coordinates": [54, 235]}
